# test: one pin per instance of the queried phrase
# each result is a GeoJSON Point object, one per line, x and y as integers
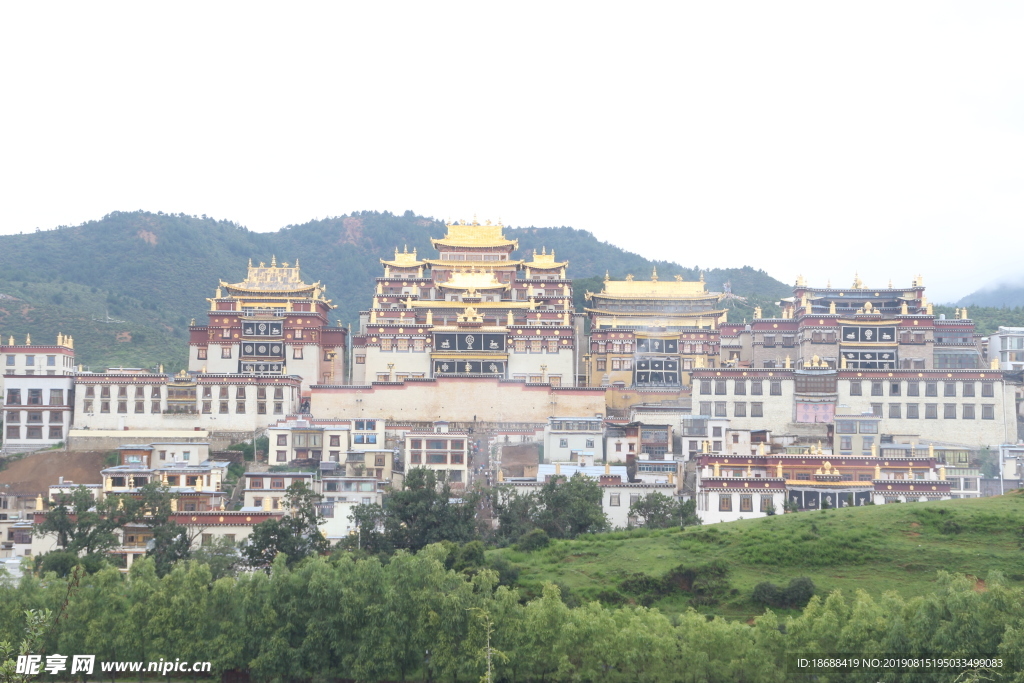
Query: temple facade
{"type": "Point", "coordinates": [37, 388]}
{"type": "Point", "coordinates": [271, 323]}
{"type": "Point", "coordinates": [757, 484]}
{"type": "Point", "coordinates": [473, 311]}
{"type": "Point", "coordinates": [650, 334]}
{"type": "Point", "coordinates": [855, 328]}
{"type": "Point", "coordinates": [838, 354]}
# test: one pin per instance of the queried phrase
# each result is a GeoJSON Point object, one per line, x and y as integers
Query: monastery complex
{"type": "Point", "coordinates": [852, 394]}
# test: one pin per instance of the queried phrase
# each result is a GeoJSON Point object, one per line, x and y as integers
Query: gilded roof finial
{"type": "Point", "coordinates": [296, 261]}
{"type": "Point", "coordinates": [607, 277]}
{"type": "Point", "coordinates": [28, 340]}
{"type": "Point", "coordinates": [250, 262]}
{"type": "Point", "coordinates": [890, 283]}
{"type": "Point", "coordinates": [857, 282]}
{"type": "Point", "coordinates": [828, 285]}
{"type": "Point", "coordinates": [629, 277]}
{"type": "Point", "coordinates": [654, 274]}
{"type": "Point", "coordinates": [679, 278]}
{"type": "Point", "coordinates": [273, 261]}
{"type": "Point", "coordinates": [702, 276]}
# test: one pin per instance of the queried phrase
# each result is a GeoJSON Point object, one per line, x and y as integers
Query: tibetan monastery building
{"type": "Point", "coordinates": [472, 311]}
{"type": "Point", "coordinates": [647, 335]}
{"type": "Point", "coordinates": [271, 323]}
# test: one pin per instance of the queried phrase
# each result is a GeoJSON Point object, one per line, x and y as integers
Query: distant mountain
{"type": "Point", "coordinates": [127, 285]}
{"type": "Point", "coordinates": [1004, 295]}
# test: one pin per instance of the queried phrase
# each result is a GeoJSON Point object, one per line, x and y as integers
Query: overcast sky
{"type": "Point", "coordinates": [814, 138]}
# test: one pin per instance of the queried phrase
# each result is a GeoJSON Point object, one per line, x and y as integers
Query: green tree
{"type": "Point", "coordinates": [296, 535]}
{"type": "Point", "coordinates": [221, 556]}
{"type": "Point", "coordinates": [425, 511]}
{"type": "Point", "coordinates": [82, 524]}
{"type": "Point", "coordinates": [658, 511]}
{"type": "Point", "coordinates": [570, 507]}
{"type": "Point", "coordinates": [516, 513]}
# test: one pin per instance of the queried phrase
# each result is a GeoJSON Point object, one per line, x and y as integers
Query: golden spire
{"type": "Point", "coordinates": [250, 262]}
{"type": "Point", "coordinates": [890, 283]}
{"type": "Point", "coordinates": [654, 274]}
{"type": "Point", "coordinates": [607, 277]}
{"type": "Point", "coordinates": [702, 276]}
{"type": "Point", "coordinates": [28, 340]}
{"type": "Point", "coordinates": [273, 261]}
{"type": "Point", "coordinates": [828, 285]}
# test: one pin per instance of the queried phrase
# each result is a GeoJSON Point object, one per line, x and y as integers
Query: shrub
{"type": "Point", "coordinates": [533, 540]}
{"type": "Point", "coordinates": [508, 574]}
{"type": "Point", "coordinates": [767, 593]}
{"type": "Point", "coordinates": [796, 595]}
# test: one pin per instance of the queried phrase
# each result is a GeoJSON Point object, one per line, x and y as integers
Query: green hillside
{"type": "Point", "coordinates": [1006, 295]}
{"type": "Point", "coordinates": [874, 548]}
{"type": "Point", "coordinates": [154, 272]}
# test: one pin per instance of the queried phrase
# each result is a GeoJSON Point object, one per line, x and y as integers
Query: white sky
{"type": "Point", "coordinates": [814, 138]}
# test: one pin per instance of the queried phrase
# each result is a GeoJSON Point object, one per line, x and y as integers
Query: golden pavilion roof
{"type": "Point", "coordinates": [283, 279]}
{"type": "Point", "coordinates": [403, 259]}
{"type": "Point", "coordinates": [545, 260]}
{"type": "Point", "coordinates": [653, 289]}
{"type": "Point", "coordinates": [463, 234]}
{"type": "Point", "coordinates": [472, 279]}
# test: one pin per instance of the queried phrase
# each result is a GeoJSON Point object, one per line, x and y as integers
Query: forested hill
{"type": "Point", "coordinates": [1005, 295]}
{"type": "Point", "coordinates": [151, 273]}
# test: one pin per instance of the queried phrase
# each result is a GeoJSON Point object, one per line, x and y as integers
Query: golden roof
{"type": "Point", "coordinates": [462, 279]}
{"type": "Point", "coordinates": [545, 260]}
{"type": "Point", "coordinates": [273, 278]}
{"type": "Point", "coordinates": [652, 289]}
{"type": "Point", "coordinates": [463, 234]}
{"type": "Point", "coordinates": [403, 259]}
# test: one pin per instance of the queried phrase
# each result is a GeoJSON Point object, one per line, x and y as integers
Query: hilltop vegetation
{"type": "Point", "coordinates": [988, 319]}
{"type": "Point", "coordinates": [1005, 295]}
{"type": "Point", "coordinates": [873, 548]}
{"type": "Point", "coordinates": [153, 272]}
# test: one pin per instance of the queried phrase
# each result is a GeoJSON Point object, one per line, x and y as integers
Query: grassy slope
{"type": "Point", "coordinates": [877, 548]}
